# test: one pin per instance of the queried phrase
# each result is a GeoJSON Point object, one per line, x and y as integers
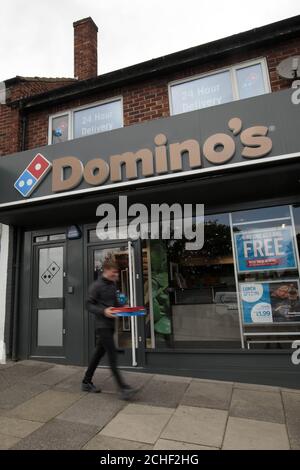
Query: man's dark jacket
{"type": "Point", "coordinates": [102, 294]}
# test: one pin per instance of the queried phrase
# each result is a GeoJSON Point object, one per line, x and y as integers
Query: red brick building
{"type": "Point", "coordinates": [39, 112]}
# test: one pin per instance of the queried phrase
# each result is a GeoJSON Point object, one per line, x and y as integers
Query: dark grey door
{"type": "Point", "coordinates": [48, 306]}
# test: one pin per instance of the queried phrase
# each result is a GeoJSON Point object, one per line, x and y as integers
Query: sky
{"type": "Point", "coordinates": [36, 36]}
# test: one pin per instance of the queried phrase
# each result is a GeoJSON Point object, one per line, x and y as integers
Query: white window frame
{"type": "Point", "coordinates": [233, 78]}
{"type": "Point", "coordinates": [70, 114]}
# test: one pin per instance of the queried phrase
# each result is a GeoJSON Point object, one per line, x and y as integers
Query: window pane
{"type": "Point", "coordinates": [51, 272]}
{"type": "Point", "coordinates": [41, 239]}
{"type": "Point", "coordinates": [60, 129]}
{"type": "Point", "coordinates": [104, 117]}
{"type": "Point", "coordinates": [191, 295]}
{"type": "Point", "coordinates": [58, 236]}
{"type": "Point", "coordinates": [201, 93]}
{"type": "Point", "coordinates": [252, 215]}
{"type": "Point", "coordinates": [50, 327]}
{"type": "Point", "coordinates": [250, 81]}
{"type": "Point", "coordinates": [268, 276]}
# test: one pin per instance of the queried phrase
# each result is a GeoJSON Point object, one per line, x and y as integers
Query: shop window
{"type": "Point", "coordinates": [85, 121]}
{"type": "Point", "coordinates": [237, 82]}
{"type": "Point", "coordinates": [250, 81]}
{"type": "Point", "coordinates": [268, 277]}
{"type": "Point", "coordinates": [102, 118]}
{"type": "Point", "coordinates": [191, 295]}
{"type": "Point", "coordinates": [240, 290]}
{"type": "Point", "coordinates": [59, 129]}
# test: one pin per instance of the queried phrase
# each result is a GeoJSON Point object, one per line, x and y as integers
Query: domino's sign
{"type": "Point", "coordinates": [33, 175]}
{"type": "Point", "coordinates": [244, 133]}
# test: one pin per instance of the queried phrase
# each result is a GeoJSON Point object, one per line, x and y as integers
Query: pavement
{"type": "Point", "coordinates": [42, 407]}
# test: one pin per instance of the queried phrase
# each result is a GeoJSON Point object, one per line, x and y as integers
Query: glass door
{"type": "Point", "coordinates": [126, 327]}
{"type": "Point", "coordinates": [48, 323]}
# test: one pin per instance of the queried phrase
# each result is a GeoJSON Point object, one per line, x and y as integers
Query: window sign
{"type": "Point", "coordinates": [201, 93]}
{"type": "Point", "coordinates": [237, 82]}
{"type": "Point", "coordinates": [60, 129]}
{"type": "Point", "coordinates": [270, 302]}
{"type": "Point", "coordinates": [250, 81]}
{"type": "Point", "coordinates": [102, 118]}
{"type": "Point", "coordinates": [265, 249]}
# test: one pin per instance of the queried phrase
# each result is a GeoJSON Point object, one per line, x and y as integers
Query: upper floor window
{"type": "Point", "coordinates": [84, 121]}
{"type": "Point", "coordinates": [238, 82]}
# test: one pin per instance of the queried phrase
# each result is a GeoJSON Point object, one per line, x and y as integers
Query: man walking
{"type": "Point", "coordinates": [102, 297]}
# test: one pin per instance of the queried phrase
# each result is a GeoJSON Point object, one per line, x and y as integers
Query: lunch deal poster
{"type": "Point", "coordinates": [270, 302]}
{"type": "Point", "coordinates": [265, 250]}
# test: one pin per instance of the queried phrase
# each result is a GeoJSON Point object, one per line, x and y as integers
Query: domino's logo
{"type": "Point", "coordinates": [33, 175]}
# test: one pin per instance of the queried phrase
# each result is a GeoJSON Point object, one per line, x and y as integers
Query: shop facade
{"type": "Point", "coordinates": [229, 310]}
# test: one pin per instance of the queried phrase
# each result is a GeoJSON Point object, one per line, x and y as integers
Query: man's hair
{"type": "Point", "coordinates": [110, 263]}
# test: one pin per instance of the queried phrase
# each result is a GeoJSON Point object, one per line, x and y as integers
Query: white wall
{"type": "Point", "coordinates": [4, 245]}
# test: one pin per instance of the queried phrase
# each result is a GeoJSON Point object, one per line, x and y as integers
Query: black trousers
{"type": "Point", "coordinates": [104, 344]}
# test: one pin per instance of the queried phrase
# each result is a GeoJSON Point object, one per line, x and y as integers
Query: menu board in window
{"type": "Point", "coordinates": [270, 301]}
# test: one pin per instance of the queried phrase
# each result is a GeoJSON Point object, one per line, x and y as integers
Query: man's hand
{"type": "Point", "coordinates": [108, 312]}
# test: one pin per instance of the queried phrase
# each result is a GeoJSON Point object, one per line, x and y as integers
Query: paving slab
{"type": "Point", "coordinates": [290, 390]}
{"type": "Point", "coordinates": [17, 427]}
{"type": "Point", "coordinates": [256, 404]}
{"type": "Point", "coordinates": [54, 375]}
{"type": "Point", "coordinates": [110, 443]}
{"type": "Point", "coordinates": [166, 444]}
{"type": "Point", "coordinates": [291, 402]}
{"type": "Point", "coordinates": [20, 372]}
{"type": "Point", "coordinates": [195, 425]}
{"type": "Point", "coordinates": [6, 442]}
{"type": "Point", "coordinates": [172, 378]}
{"type": "Point", "coordinates": [263, 388]}
{"type": "Point", "coordinates": [57, 435]}
{"type": "Point", "coordinates": [134, 379]}
{"type": "Point", "coordinates": [17, 394]}
{"type": "Point", "coordinates": [195, 379]}
{"type": "Point", "coordinates": [249, 434]}
{"type": "Point", "coordinates": [7, 364]}
{"type": "Point", "coordinates": [4, 383]}
{"type": "Point", "coordinates": [96, 409]}
{"type": "Point", "coordinates": [73, 383]}
{"type": "Point", "coordinates": [139, 423]}
{"type": "Point", "coordinates": [32, 362]}
{"type": "Point", "coordinates": [208, 395]}
{"type": "Point", "coordinates": [159, 392]}
{"type": "Point", "coordinates": [44, 406]}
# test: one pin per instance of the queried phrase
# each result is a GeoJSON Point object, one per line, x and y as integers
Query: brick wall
{"type": "Point", "coordinates": [10, 119]}
{"type": "Point", "coordinates": [148, 99]}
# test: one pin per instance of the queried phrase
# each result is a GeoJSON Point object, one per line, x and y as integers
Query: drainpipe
{"type": "Point", "coordinates": [16, 265]}
{"type": "Point", "coordinates": [23, 132]}
{"type": "Point", "coordinates": [16, 295]}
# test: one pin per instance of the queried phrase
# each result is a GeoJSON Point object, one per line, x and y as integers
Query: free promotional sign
{"type": "Point", "coordinates": [256, 303]}
{"type": "Point", "coordinates": [265, 250]}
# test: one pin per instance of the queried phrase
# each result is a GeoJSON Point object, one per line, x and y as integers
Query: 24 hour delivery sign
{"type": "Point", "coordinates": [265, 250]}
